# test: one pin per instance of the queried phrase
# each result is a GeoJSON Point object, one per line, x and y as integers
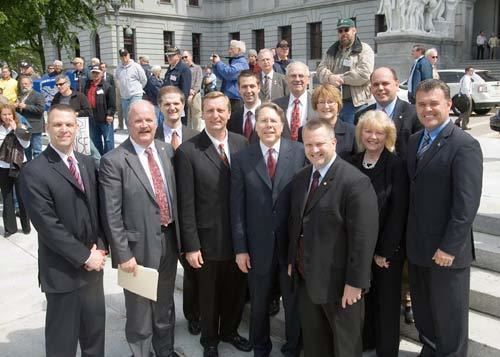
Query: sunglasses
{"type": "Point", "coordinates": [60, 84]}
{"type": "Point", "coordinates": [435, 56]}
{"type": "Point", "coordinates": [343, 30]}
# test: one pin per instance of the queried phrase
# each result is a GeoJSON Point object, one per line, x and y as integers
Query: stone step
{"type": "Point", "coordinates": [484, 334]}
{"type": "Point", "coordinates": [485, 291]}
{"type": "Point", "coordinates": [487, 222]}
{"type": "Point", "coordinates": [487, 251]}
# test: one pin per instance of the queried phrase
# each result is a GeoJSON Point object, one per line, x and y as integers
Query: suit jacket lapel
{"type": "Point", "coordinates": [438, 143]}
{"type": "Point", "coordinates": [135, 164]}
{"type": "Point", "coordinates": [259, 163]}
{"type": "Point", "coordinates": [397, 115]}
{"type": "Point", "coordinates": [282, 167]}
{"type": "Point", "coordinates": [60, 166]}
{"type": "Point", "coordinates": [168, 173]}
{"type": "Point", "coordinates": [412, 153]}
{"type": "Point", "coordinates": [209, 150]}
{"type": "Point", "coordinates": [323, 187]}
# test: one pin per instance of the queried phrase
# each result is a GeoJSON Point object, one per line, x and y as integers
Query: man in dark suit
{"type": "Point", "coordinates": [59, 189]}
{"type": "Point", "coordinates": [260, 203]}
{"type": "Point", "coordinates": [420, 71]}
{"type": "Point", "coordinates": [171, 101]}
{"type": "Point", "coordinates": [242, 120]}
{"type": "Point", "coordinates": [31, 104]}
{"type": "Point", "coordinates": [384, 88]}
{"type": "Point", "coordinates": [445, 166]}
{"type": "Point", "coordinates": [203, 177]}
{"type": "Point", "coordinates": [107, 76]}
{"type": "Point", "coordinates": [272, 84]}
{"type": "Point", "coordinates": [139, 206]}
{"type": "Point", "coordinates": [333, 229]}
{"type": "Point", "coordinates": [297, 106]}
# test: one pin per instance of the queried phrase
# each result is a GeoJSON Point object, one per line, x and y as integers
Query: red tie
{"type": "Point", "coordinates": [161, 196]}
{"type": "Point", "coordinates": [295, 124]}
{"type": "Point", "coordinates": [75, 173]}
{"type": "Point", "coordinates": [223, 155]}
{"type": "Point", "coordinates": [175, 140]}
{"type": "Point", "coordinates": [271, 163]}
{"type": "Point", "coordinates": [248, 129]}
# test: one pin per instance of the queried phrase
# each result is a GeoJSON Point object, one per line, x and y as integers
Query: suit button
{"type": "Point", "coordinates": [301, 236]}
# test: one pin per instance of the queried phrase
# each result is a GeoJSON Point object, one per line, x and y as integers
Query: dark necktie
{"type": "Point", "coordinates": [175, 142]}
{"type": "Point", "coordinates": [248, 127]}
{"type": "Point", "coordinates": [222, 154]}
{"type": "Point", "coordinates": [426, 143]}
{"type": "Point", "coordinates": [160, 194]}
{"type": "Point", "coordinates": [75, 173]}
{"type": "Point", "coordinates": [271, 163]}
{"type": "Point", "coordinates": [300, 250]}
{"type": "Point", "coordinates": [265, 88]}
{"type": "Point", "coordinates": [295, 122]}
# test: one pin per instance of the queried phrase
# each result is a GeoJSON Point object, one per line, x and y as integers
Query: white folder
{"type": "Point", "coordinates": [144, 283]}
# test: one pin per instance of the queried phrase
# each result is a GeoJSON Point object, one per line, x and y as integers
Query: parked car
{"type": "Point", "coordinates": [485, 88]}
{"type": "Point", "coordinates": [495, 121]}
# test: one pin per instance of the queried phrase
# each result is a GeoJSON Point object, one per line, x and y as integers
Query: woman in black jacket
{"type": "Point", "coordinates": [376, 138]}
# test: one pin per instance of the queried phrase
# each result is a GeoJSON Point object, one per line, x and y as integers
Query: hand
{"type": "Point", "coordinates": [381, 261]}
{"type": "Point", "coordinates": [289, 269]}
{"type": "Point", "coordinates": [21, 105]}
{"type": "Point", "coordinates": [335, 80]}
{"type": "Point", "coordinates": [215, 59]}
{"type": "Point", "coordinates": [243, 261]}
{"type": "Point", "coordinates": [96, 260]}
{"type": "Point", "coordinates": [130, 266]}
{"type": "Point", "coordinates": [195, 259]}
{"type": "Point", "coordinates": [109, 119]}
{"type": "Point", "coordinates": [351, 295]}
{"type": "Point", "coordinates": [443, 259]}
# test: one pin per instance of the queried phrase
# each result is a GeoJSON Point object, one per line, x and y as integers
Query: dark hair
{"type": "Point", "coordinates": [170, 90]}
{"type": "Point", "coordinates": [274, 107]}
{"type": "Point", "coordinates": [61, 108]}
{"type": "Point", "coordinates": [467, 69]}
{"type": "Point", "coordinates": [431, 84]}
{"type": "Point", "coordinates": [419, 48]}
{"type": "Point", "coordinates": [247, 73]}
{"type": "Point", "coordinates": [390, 69]}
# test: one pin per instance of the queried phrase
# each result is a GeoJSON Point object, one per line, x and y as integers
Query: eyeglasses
{"type": "Point", "coordinates": [184, 57]}
{"type": "Point", "coordinates": [435, 57]}
{"type": "Point", "coordinates": [60, 84]}
{"type": "Point", "coordinates": [343, 30]}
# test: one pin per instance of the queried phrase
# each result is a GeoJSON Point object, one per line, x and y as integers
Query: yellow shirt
{"type": "Point", "coordinates": [9, 87]}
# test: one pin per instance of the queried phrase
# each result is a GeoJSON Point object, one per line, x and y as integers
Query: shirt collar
{"type": "Point", "coordinates": [167, 130]}
{"type": "Point", "coordinates": [270, 74]}
{"type": "Point", "coordinates": [302, 99]}
{"type": "Point", "coordinates": [325, 168]}
{"type": "Point", "coordinates": [217, 142]}
{"type": "Point", "coordinates": [140, 149]}
{"type": "Point", "coordinates": [63, 156]}
{"type": "Point", "coordinates": [435, 132]}
{"type": "Point", "coordinates": [389, 108]}
{"type": "Point", "coordinates": [253, 109]}
{"type": "Point", "coordinates": [265, 149]}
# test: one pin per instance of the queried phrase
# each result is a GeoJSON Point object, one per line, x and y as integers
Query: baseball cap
{"type": "Point", "coordinates": [123, 52]}
{"type": "Point", "coordinates": [96, 69]}
{"type": "Point", "coordinates": [345, 23]}
{"type": "Point", "coordinates": [282, 44]}
{"type": "Point", "coordinates": [172, 50]}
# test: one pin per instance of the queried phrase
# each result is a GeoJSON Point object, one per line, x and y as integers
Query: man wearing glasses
{"type": "Point", "coordinates": [432, 56]}
{"type": "Point", "coordinates": [65, 95]}
{"type": "Point", "coordinates": [348, 64]}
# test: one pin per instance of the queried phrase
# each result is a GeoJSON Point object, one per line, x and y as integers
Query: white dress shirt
{"type": "Point", "coordinates": [265, 151]}
{"type": "Point", "coordinates": [168, 131]}
{"type": "Point", "coordinates": [225, 142]}
{"type": "Point", "coordinates": [303, 109]}
{"type": "Point", "coordinates": [252, 118]}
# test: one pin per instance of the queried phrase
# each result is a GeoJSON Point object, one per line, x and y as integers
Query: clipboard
{"type": "Point", "coordinates": [144, 283]}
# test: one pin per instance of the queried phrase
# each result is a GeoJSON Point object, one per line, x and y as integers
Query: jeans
{"type": "Point", "coordinates": [349, 110]}
{"type": "Point", "coordinates": [102, 131]}
{"type": "Point", "coordinates": [126, 105]}
{"type": "Point", "coordinates": [35, 148]}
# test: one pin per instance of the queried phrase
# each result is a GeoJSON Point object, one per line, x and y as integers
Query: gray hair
{"type": "Point", "coordinates": [431, 51]}
{"type": "Point", "coordinates": [63, 77]}
{"type": "Point", "coordinates": [252, 52]}
{"type": "Point", "coordinates": [155, 69]}
{"type": "Point", "coordinates": [238, 44]}
{"type": "Point", "coordinates": [57, 63]}
{"type": "Point", "coordinates": [299, 65]}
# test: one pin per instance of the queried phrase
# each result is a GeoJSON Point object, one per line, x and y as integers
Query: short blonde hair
{"type": "Point", "coordinates": [326, 91]}
{"type": "Point", "coordinates": [379, 120]}
{"type": "Point", "coordinates": [214, 95]}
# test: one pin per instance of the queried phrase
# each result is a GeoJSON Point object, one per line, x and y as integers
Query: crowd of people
{"type": "Point", "coordinates": [264, 190]}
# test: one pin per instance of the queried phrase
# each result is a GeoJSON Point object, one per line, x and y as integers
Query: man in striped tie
{"type": "Point", "coordinates": [445, 166]}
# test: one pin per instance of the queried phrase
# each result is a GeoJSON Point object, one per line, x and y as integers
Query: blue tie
{"type": "Point", "coordinates": [424, 146]}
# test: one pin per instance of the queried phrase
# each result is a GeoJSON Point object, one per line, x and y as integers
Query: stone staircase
{"type": "Point", "coordinates": [493, 66]}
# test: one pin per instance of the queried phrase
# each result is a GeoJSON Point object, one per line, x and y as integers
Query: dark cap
{"type": "Point", "coordinates": [123, 52]}
{"type": "Point", "coordinates": [25, 64]}
{"type": "Point", "coordinates": [96, 69]}
{"type": "Point", "coordinates": [282, 44]}
{"type": "Point", "coordinates": [345, 23]}
{"type": "Point", "coordinates": [172, 50]}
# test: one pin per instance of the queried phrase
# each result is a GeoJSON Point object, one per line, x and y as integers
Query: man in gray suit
{"type": "Point", "coordinates": [297, 106]}
{"type": "Point", "coordinates": [272, 84]}
{"type": "Point", "coordinates": [139, 206]}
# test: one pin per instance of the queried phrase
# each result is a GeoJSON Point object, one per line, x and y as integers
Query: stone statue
{"type": "Point", "coordinates": [387, 7]}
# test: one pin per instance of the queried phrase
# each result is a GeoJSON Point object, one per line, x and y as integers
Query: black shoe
{"type": "Point", "coordinates": [409, 315]}
{"type": "Point", "coordinates": [239, 342]}
{"type": "Point", "coordinates": [27, 230]}
{"type": "Point", "coordinates": [211, 352]}
{"type": "Point", "coordinates": [465, 128]}
{"type": "Point", "coordinates": [274, 307]}
{"type": "Point", "coordinates": [194, 327]}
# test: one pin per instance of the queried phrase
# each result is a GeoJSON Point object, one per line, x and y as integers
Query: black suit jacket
{"type": "Point", "coordinates": [339, 228]}
{"type": "Point", "coordinates": [345, 133]}
{"type": "Point", "coordinates": [283, 104]}
{"type": "Point", "coordinates": [187, 133]}
{"type": "Point", "coordinates": [235, 125]}
{"type": "Point", "coordinates": [203, 183]}
{"type": "Point", "coordinates": [445, 190]}
{"type": "Point", "coordinates": [406, 121]}
{"type": "Point", "coordinates": [66, 219]}
{"type": "Point", "coordinates": [260, 207]}
{"type": "Point", "coordinates": [35, 106]}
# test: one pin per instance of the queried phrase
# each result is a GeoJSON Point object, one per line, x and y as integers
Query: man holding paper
{"type": "Point", "coordinates": [138, 203]}
{"type": "Point", "coordinates": [59, 189]}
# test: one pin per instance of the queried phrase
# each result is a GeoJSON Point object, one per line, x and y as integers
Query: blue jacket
{"type": "Point", "coordinates": [229, 75]}
{"type": "Point", "coordinates": [423, 70]}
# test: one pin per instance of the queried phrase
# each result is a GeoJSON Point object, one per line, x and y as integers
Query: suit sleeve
{"type": "Point", "coordinates": [110, 188]}
{"type": "Point", "coordinates": [238, 214]}
{"type": "Point", "coordinates": [37, 107]}
{"type": "Point", "coordinates": [185, 179]}
{"type": "Point", "coordinates": [185, 84]}
{"type": "Point", "coordinates": [466, 185]}
{"type": "Point", "coordinates": [42, 212]}
{"type": "Point", "coordinates": [362, 228]}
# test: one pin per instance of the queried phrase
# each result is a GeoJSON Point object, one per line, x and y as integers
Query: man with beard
{"type": "Point", "coordinates": [348, 64]}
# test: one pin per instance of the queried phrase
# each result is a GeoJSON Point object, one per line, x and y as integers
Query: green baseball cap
{"type": "Point", "coordinates": [345, 23]}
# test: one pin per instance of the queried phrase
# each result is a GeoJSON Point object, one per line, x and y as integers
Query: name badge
{"type": "Point", "coordinates": [99, 91]}
{"type": "Point", "coordinates": [347, 62]}
{"type": "Point", "coordinates": [173, 78]}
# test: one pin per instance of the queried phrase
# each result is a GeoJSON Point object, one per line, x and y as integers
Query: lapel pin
{"type": "Point", "coordinates": [324, 183]}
